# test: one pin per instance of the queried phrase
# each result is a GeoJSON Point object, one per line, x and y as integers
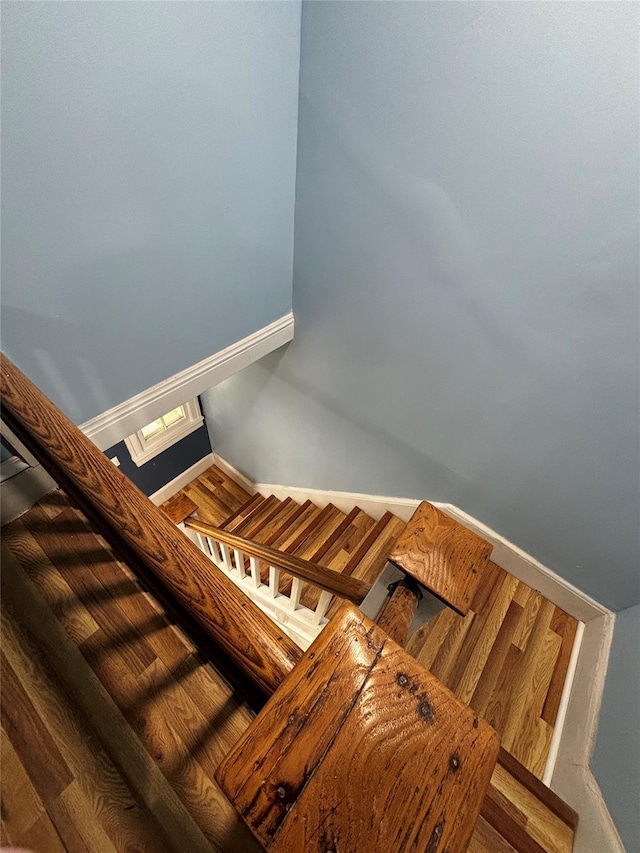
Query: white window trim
{"type": "Point", "coordinates": [143, 449]}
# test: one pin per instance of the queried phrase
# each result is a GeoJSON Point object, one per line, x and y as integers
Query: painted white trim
{"type": "Point", "coordinates": [527, 569]}
{"type": "Point", "coordinates": [173, 486]}
{"type": "Point", "coordinates": [563, 707]}
{"type": "Point", "coordinates": [122, 420]}
{"type": "Point", "coordinates": [572, 777]}
{"type": "Point", "coordinates": [143, 449]}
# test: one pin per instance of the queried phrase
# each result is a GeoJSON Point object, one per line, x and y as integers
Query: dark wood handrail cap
{"type": "Point", "coordinates": [442, 555]}
{"type": "Point", "coordinates": [361, 748]}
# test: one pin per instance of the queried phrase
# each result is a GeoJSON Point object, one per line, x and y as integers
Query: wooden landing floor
{"type": "Point", "coordinates": [507, 659]}
{"type": "Point", "coordinates": [111, 723]}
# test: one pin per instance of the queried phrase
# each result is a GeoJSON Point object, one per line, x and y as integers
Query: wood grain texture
{"type": "Point", "coordinates": [442, 555]}
{"type": "Point", "coordinates": [134, 525]}
{"type": "Point", "coordinates": [178, 508]}
{"type": "Point", "coordinates": [345, 587]}
{"type": "Point", "coordinates": [524, 819]}
{"type": "Point", "coordinates": [141, 759]}
{"type": "Point", "coordinates": [397, 612]}
{"type": "Point", "coordinates": [361, 749]}
{"type": "Point", "coordinates": [497, 660]}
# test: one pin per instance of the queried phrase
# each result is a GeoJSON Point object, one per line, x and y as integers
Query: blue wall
{"type": "Point", "coordinates": [465, 276]}
{"type": "Point", "coordinates": [616, 758]}
{"type": "Point", "coordinates": [148, 176]}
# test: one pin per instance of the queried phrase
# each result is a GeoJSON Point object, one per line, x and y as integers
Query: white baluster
{"type": "Point", "coordinates": [322, 606]}
{"type": "Point", "coordinates": [255, 571]}
{"type": "Point", "coordinates": [214, 550]}
{"type": "Point", "coordinates": [294, 595]}
{"type": "Point", "coordinates": [203, 543]}
{"type": "Point", "coordinates": [239, 560]}
{"type": "Point", "coordinates": [226, 557]}
{"type": "Point", "coordinates": [274, 581]}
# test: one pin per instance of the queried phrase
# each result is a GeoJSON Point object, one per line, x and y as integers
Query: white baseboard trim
{"type": "Point", "coordinates": [527, 569]}
{"type": "Point", "coordinates": [572, 777]}
{"type": "Point", "coordinates": [173, 487]}
{"type": "Point", "coordinates": [568, 772]}
{"type": "Point", "coordinates": [123, 420]}
{"type": "Point", "coordinates": [22, 491]}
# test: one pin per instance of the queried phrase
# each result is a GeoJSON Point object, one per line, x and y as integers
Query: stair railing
{"type": "Point", "coordinates": [144, 537]}
{"type": "Point", "coordinates": [275, 580]}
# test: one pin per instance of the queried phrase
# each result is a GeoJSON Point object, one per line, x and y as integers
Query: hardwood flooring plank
{"type": "Point", "coordinates": [492, 575]}
{"type": "Point", "coordinates": [495, 660]}
{"type": "Point", "coordinates": [338, 555]}
{"type": "Point", "coordinates": [530, 611]}
{"type": "Point", "coordinates": [80, 558]}
{"type": "Point", "coordinates": [288, 523]}
{"type": "Point", "coordinates": [43, 837]}
{"type": "Point", "coordinates": [132, 760]}
{"type": "Point", "coordinates": [498, 706]}
{"type": "Point", "coordinates": [217, 475]}
{"type": "Point", "coordinates": [530, 743]}
{"type": "Point", "coordinates": [522, 689]}
{"type": "Point", "coordinates": [261, 517]}
{"type": "Point", "coordinates": [565, 626]}
{"type": "Point", "coordinates": [482, 636]}
{"type": "Point", "coordinates": [447, 656]}
{"type": "Point", "coordinates": [21, 805]}
{"type": "Point", "coordinates": [486, 839]}
{"type": "Point", "coordinates": [39, 754]}
{"type": "Point", "coordinates": [129, 825]}
{"type": "Point", "coordinates": [541, 824]}
{"type": "Point", "coordinates": [72, 816]}
{"type": "Point", "coordinates": [76, 619]}
{"type": "Point", "coordinates": [424, 646]}
{"type": "Point", "coordinates": [243, 511]}
{"type": "Point", "coordinates": [298, 530]}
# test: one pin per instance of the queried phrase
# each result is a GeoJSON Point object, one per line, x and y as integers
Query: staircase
{"type": "Point", "coordinates": [519, 814]}
{"type": "Point", "coordinates": [356, 713]}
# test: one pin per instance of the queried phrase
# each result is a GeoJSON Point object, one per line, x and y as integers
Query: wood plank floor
{"type": "Point", "coordinates": [127, 764]}
{"type": "Point", "coordinates": [507, 659]}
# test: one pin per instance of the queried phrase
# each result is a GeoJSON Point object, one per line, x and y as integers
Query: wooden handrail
{"type": "Point", "coordinates": [344, 586]}
{"type": "Point", "coordinates": [132, 524]}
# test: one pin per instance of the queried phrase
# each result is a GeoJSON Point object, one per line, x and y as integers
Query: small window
{"type": "Point", "coordinates": [160, 434]}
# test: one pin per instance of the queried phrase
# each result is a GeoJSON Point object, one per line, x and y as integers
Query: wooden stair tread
{"type": "Point", "coordinates": [327, 522]}
{"type": "Point", "coordinates": [524, 818]}
{"type": "Point", "coordinates": [218, 479]}
{"type": "Point", "coordinates": [243, 510]}
{"type": "Point", "coordinates": [276, 521]}
{"type": "Point", "coordinates": [308, 772]}
{"type": "Point", "coordinates": [260, 518]}
{"type": "Point", "coordinates": [343, 548]}
{"type": "Point", "coordinates": [297, 525]}
{"type": "Point", "coordinates": [442, 555]}
{"type": "Point", "coordinates": [370, 558]}
{"type": "Point", "coordinates": [179, 507]}
{"type": "Point", "coordinates": [234, 524]}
